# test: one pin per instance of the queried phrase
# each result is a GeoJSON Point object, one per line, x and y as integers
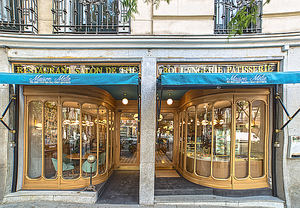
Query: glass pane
{"type": "Point", "coordinates": [190, 145]}
{"type": "Point", "coordinates": [109, 138]}
{"type": "Point", "coordinates": [89, 138]}
{"type": "Point", "coordinates": [112, 129]}
{"type": "Point", "coordinates": [35, 138]}
{"type": "Point", "coordinates": [102, 139]}
{"type": "Point", "coordinates": [180, 140]}
{"type": "Point", "coordinates": [241, 139]}
{"type": "Point", "coordinates": [203, 146]}
{"type": "Point", "coordinates": [70, 140]}
{"type": "Point", "coordinates": [183, 138]}
{"type": "Point", "coordinates": [164, 142]}
{"type": "Point", "coordinates": [221, 142]}
{"type": "Point", "coordinates": [128, 138]}
{"type": "Point", "coordinates": [50, 128]}
{"type": "Point", "coordinates": [258, 138]}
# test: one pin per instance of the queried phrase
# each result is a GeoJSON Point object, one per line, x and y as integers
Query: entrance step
{"type": "Point", "coordinates": [209, 201]}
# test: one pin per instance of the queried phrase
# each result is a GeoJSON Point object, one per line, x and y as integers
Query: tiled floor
{"type": "Point", "coordinates": [121, 188]}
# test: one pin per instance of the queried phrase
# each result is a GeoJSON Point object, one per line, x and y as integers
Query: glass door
{"type": "Point", "coordinates": [164, 141]}
{"type": "Point", "coordinates": [129, 150]}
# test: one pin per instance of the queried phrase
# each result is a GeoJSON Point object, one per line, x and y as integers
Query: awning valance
{"type": "Point", "coordinates": [227, 79]}
{"type": "Point", "coordinates": [69, 79]}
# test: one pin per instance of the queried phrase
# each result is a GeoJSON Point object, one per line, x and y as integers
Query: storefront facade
{"type": "Point", "coordinates": [217, 136]}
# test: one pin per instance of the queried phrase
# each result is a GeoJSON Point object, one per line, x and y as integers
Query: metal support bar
{"type": "Point", "coordinates": [12, 99]}
{"type": "Point", "coordinates": [285, 110]}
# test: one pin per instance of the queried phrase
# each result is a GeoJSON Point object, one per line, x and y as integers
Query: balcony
{"type": "Point", "coordinates": [18, 16]}
{"type": "Point", "coordinates": [89, 17]}
{"type": "Point", "coordinates": [225, 10]}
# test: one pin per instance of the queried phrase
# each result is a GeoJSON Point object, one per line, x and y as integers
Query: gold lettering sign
{"type": "Point", "coordinates": [75, 69]}
{"type": "Point", "coordinates": [239, 67]}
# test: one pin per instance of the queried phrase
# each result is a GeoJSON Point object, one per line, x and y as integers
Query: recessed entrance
{"type": "Point", "coordinates": [129, 148]}
{"type": "Point", "coordinates": [164, 146]}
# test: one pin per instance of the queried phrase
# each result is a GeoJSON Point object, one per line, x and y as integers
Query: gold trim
{"type": "Point", "coordinates": [216, 63]}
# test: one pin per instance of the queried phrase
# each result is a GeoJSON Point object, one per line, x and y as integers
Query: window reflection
{"type": "Point", "coordinates": [183, 137]}
{"type": "Point", "coordinates": [70, 140]}
{"type": "Point", "coordinates": [89, 137]}
{"type": "Point", "coordinates": [35, 127]}
{"type": "Point", "coordinates": [50, 139]}
{"type": "Point", "coordinates": [102, 121]}
{"type": "Point", "coordinates": [222, 139]}
{"type": "Point", "coordinates": [257, 139]}
{"type": "Point", "coordinates": [190, 145]}
{"type": "Point", "coordinates": [180, 140]}
{"type": "Point", "coordinates": [203, 144]}
{"type": "Point", "coordinates": [241, 139]}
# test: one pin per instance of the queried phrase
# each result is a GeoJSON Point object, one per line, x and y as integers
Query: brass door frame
{"type": "Point", "coordinates": [175, 138]}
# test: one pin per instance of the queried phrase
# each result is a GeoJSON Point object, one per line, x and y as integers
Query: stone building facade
{"type": "Point", "coordinates": [180, 32]}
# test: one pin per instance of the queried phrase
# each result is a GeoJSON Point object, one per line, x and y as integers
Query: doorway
{"type": "Point", "coordinates": [164, 141]}
{"type": "Point", "coordinates": [129, 141]}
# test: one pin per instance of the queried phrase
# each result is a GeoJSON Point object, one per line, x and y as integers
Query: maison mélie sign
{"type": "Point", "coordinates": [239, 67]}
{"type": "Point", "coordinates": [75, 68]}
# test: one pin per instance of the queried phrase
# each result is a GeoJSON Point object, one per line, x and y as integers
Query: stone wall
{"type": "Point", "coordinates": [292, 100]}
{"type": "Point", "coordinates": [189, 17]}
{"type": "Point", "coordinates": [4, 135]}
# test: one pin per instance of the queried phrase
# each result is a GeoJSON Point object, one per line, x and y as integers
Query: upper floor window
{"type": "Point", "coordinates": [225, 10]}
{"type": "Point", "coordinates": [18, 16]}
{"type": "Point", "coordinates": [89, 17]}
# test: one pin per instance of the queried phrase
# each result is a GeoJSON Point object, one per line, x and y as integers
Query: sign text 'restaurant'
{"type": "Point", "coordinates": [74, 69]}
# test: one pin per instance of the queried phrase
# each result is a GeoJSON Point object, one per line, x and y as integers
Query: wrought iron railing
{"type": "Point", "coordinates": [90, 17]}
{"type": "Point", "coordinates": [18, 16]}
{"type": "Point", "coordinates": [225, 10]}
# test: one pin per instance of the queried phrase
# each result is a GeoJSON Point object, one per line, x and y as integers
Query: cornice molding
{"type": "Point", "coordinates": [147, 42]}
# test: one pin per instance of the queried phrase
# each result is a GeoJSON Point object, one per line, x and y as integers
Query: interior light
{"type": "Point", "coordinates": [170, 101]}
{"type": "Point", "coordinates": [125, 100]}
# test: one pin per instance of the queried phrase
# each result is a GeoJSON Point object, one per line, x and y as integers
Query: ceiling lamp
{"type": "Point", "coordinates": [125, 100]}
{"type": "Point", "coordinates": [170, 100]}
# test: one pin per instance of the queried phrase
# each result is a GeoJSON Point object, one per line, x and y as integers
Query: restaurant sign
{"type": "Point", "coordinates": [238, 67]}
{"type": "Point", "coordinates": [76, 68]}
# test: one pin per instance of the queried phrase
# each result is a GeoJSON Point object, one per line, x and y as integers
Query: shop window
{"type": "Point", "coordinates": [90, 17]}
{"type": "Point", "coordinates": [180, 140]}
{"type": "Point", "coordinates": [35, 139]}
{"type": "Point", "coordinates": [230, 147]}
{"type": "Point", "coordinates": [190, 139]}
{"type": "Point", "coordinates": [71, 112]}
{"type": "Point", "coordinates": [225, 10]}
{"type": "Point", "coordinates": [221, 139]}
{"type": "Point", "coordinates": [89, 138]}
{"type": "Point", "coordinates": [204, 136]}
{"type": "Point", "coordinates": [258, 123]}
{"type": "Point", "coordinates": [50, 139]}
{"type": "Point", "coordinates": [242, 138]}
{"type": "Point", "coordinates": [184, 126]}
{"type": "Point", "coordinates": [102, 131]}
{"type": "Point", "coordinates": [18, 16]}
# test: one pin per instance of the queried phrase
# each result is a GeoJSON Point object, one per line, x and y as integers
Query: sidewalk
{"type": "Point", "coordinates": [187, 201]}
